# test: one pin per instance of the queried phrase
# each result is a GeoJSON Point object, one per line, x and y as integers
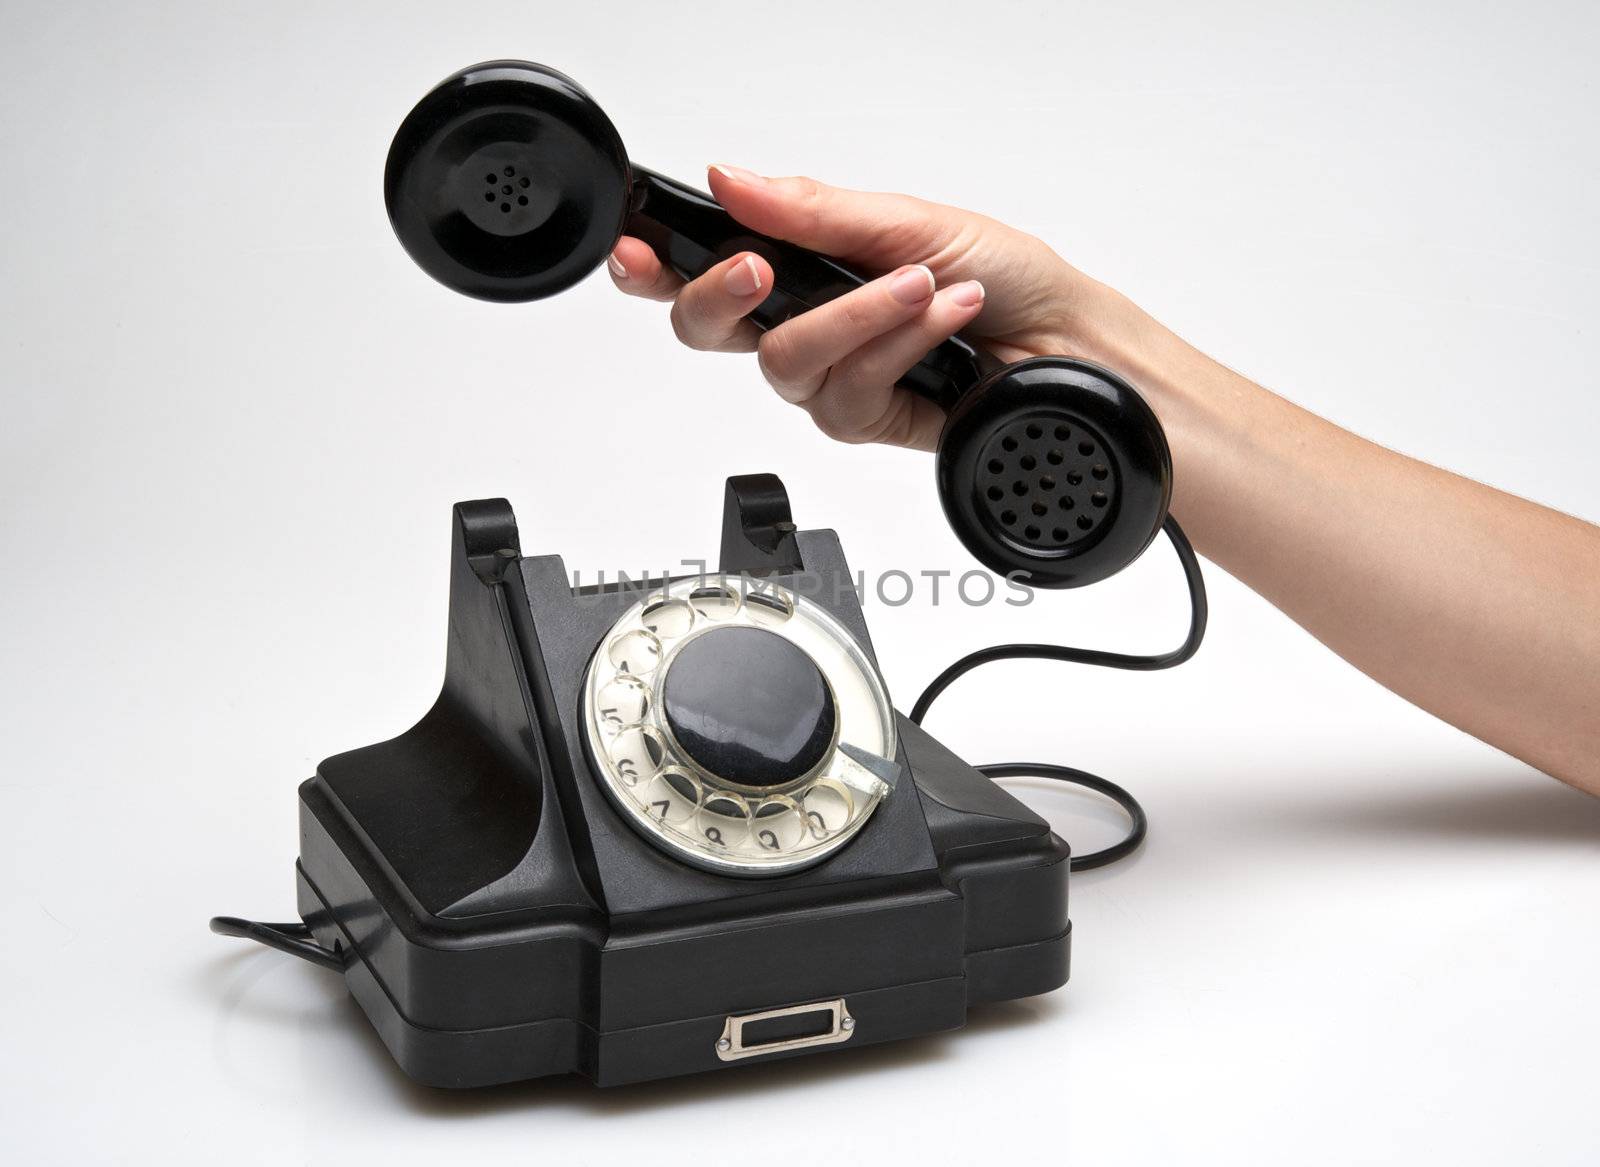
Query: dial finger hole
{"type": "Point", "coordinates": [768, 606]}
{"type": "Point", "coordinates": [637, 652]}
{"type": "Point", "coordinates": [621, 701]}
{"type": "Point", "coordinates": [827, 806]}
{"type": "Point", "coordinates": [672, 796]}
{"type": "Point", "coordinates": [778, 824]}
{"type": "Point", "coordinates": [724, 819]}
{"type": "Point", "coordinates": [715, 601]}
{"type": "Point", "coordinates": [637, 753]}
{"type": "Point", "coordinates": [668, 619]}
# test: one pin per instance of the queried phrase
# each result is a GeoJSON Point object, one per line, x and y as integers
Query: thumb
{"type": "Point", "coordinates": [880, 230]}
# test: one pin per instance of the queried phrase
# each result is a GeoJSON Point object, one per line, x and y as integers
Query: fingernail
{"type": "Point", "coordinates": [743, 278]}
{"type": "Point", "coordinates": [739, 174]}
{"type": "Point", "coordinates": [616, 267]}
{"type": "Point", "coordinates": [967, 295]}
{"type": "Point", "coordinates": [913, 285]}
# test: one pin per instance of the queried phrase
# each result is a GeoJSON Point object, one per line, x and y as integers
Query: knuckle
{"type": "Point", "coordinates": [682, 327]}
{"type": "Point", "coordinates": [856, 313]}
{"type": "Point", "coordinates": [809, 199]}
{"type": "Point", "coordinates": [841, 427]}
{"type": "Point", "coordinates": [775, 355]}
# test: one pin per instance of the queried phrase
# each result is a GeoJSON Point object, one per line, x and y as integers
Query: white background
{"type": "Point", "coordinates": [235, 417]}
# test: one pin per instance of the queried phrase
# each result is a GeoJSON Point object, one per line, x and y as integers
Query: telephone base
{"type": "Point", "coordinates": [499, 919]}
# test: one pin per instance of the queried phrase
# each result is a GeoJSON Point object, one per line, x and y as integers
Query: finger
{"type": "Point", "coordinates": [637, 270]}
{"type": "Point", "coordinates": [709, 313]}
{"type": "Point", "coordinates": [859, 401]}
{"type": "Point", "coordinates": [877, 229]}
{"type": "Point", "coordinates": [796, 356]}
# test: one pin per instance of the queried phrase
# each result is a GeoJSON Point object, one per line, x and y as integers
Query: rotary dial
{"type": "Point", "coordinates": [738, 726]}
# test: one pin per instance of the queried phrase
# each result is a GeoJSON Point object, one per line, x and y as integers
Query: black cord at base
{"type": "Point", "coordinates": [295, 939]}
{"type": "Point", "coordinates": [1088, 656]}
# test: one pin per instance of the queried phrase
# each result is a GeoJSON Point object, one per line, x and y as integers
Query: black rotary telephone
{"type": "Point", "coordinates": [660, 827]}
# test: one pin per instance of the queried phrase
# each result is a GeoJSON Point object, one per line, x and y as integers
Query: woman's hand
{"type": "Point", "coordinates": [947, 270]}
{"type": "Point", "coordinates": [1478, 606]}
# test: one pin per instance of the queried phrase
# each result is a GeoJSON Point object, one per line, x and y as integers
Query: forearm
{"type": "Point", "coordinates": [1480, 607]}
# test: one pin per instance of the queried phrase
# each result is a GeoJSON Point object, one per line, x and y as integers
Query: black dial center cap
{"type": "Point", "coordinates": [748, 706]}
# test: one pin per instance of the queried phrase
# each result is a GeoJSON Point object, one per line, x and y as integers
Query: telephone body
{"type": "Point", "coordinates": [513, 889]}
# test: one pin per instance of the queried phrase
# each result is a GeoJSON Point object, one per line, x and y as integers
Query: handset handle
{"type": "Point", "coordinates": [691, 233]}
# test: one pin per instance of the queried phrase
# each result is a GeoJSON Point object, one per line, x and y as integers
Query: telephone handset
{"type": "Point", "coordinates": [508, 182]}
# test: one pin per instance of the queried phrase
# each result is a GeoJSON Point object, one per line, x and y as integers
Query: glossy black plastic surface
{"type": "Point", "coordinates": [1055, 469]}
{"type": "Point", "coordinates": [497, 919]}
{"type": "Point", "coordinates": [507, 182]}
{"type": "Point", "coordinates": [748, 706]}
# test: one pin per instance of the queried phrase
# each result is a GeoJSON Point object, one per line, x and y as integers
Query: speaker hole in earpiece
{"type": "Point", "coordinates": [1019, 488]}
{"type": "Point", "coordinates": [1047, 483]}
{"type": "Point", "coordinates": [1084, 522]}
{"type": "Point", "coordinates": [1074, 478]}
{"type": "Point", "coordinates": [1027, 462]}
{"type": "Point", "coordinates": [1040, 509]}
{"type": "Point", "coordinates": [1061, 534]}
{"type": "Point", "coordinates": [1100, 472]}
{"type": "Point", "coordinates": [1099, 498]}
{"type": "Point", "coordinates": [996, 494]}
{"type": "Point", "coordinates": [1062, 433]}
{"type": "Point", "coordinates": [1008, 444]}
{"type": "Point", "coordinates": [1085, 448]}
{"type": "Point", "coordinates": [1067, 502]}
{"type": "Point", "coordinates": [1031, 532]}
{"type": "Point", "coordinates": [1053, 457]}
{"type": "Point", "coordinates": [1009, 518]}
{"type": "Point", "coordinates": [996, 466]}
{"type": "Point", "coordinates": [1034, 432]}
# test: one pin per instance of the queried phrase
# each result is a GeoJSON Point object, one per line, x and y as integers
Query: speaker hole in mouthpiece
{"type": "Point", "coordinates": [996, 494]}
{"type": "Point", "coordinates": [996, 466]}
{"type": "Point", "coordinates": [489, 178]}
{"type": "Point", "coordinates": [1084, 522]}
{"type": "Point", "coordinates": [522, 182]}
{"type": "Point", "coordinates": [1027, 462]}
{"type": "Point", "coordinates": [1099, 498]}
{"type": "Point", "coordinates": [506, 189]}
{"type": "Point", "coordinates": [504, 208]}
{"type": "Point", "coordinates": [1031, 532]}
{"type": "Point", "coordinates": [509, 171]}
{"type": "Point", "coordinates": [1100, 472]}
{"type": "Point", "coordinates": [522, 200]}
{"type": "Point", "coordinates": [488, 196]}
{"type": "Point", "coordinates": [1085, 448]}
{"type": "Point", "coordinates": [1034, 432]}
{"type": "Point", "coordinates": [1008, 517]}
{"type": "Point", "coordinates": [1008, 444]}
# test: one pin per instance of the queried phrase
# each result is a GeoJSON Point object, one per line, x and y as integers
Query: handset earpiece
{"type": "Point", "coordinates": [508, 182]}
